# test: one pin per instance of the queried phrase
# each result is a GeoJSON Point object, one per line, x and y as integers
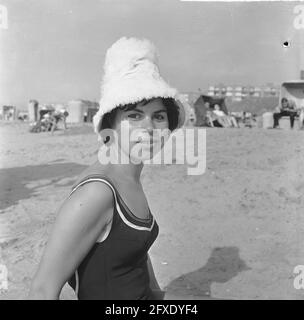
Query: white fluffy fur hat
{"type": "Point", "coordinates": [131, 74]}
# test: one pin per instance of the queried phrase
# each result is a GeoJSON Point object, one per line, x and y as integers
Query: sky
{"type": "Point", "coordinates": [54, 50]}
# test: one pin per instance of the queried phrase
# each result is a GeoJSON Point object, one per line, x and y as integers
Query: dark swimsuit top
{"type": "Point", "coordinates": [116, 268]}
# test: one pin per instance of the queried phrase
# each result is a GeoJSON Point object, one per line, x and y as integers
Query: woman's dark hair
{"type": "Point", "coordinates": [169, 103]}
{"type": "Point", "coordinates": [284, 100]}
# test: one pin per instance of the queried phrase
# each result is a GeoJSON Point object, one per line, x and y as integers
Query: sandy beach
{"type": "Point", "coordinates": [235, 232]}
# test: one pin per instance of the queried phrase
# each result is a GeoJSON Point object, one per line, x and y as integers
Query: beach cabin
{"type": "Point", "coordinates": [81, 111]}
{"type": "Point", "coordinates": [33, 108]}
{"type": "Point", "coordinates": [8, 113]}
{"type": "Point", "coordinates": [293, 91]}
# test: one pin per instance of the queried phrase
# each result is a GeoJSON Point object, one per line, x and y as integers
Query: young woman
{"type": "Point", "coordinates": [100, 240]}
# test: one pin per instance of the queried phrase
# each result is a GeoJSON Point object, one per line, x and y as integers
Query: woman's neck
{"type": "Point", "coordinates": [129, 171]}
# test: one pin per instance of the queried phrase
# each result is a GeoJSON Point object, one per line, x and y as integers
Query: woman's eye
{"type": "Point", "coordinates": [134, 115]}
{"type": "Point", "coordinates": [160, 117]}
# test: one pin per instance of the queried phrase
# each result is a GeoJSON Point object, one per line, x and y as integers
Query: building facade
{"type": "Point", "coordinates": [239, 93]}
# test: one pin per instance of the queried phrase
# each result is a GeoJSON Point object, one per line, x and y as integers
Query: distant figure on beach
{"type": "Point", "coordinates": [217, 110]}
{"type": "Point", "coordinates": [210, 116]}
{"type": "Point", "coordinates": [233, 120]}
{"type": "Point", "coordinates": [56, 117]}
{"type": "Point", "coordinates": [42, 112]}
{"type": "Point", "coordinates": [287, 108]}
{"type": "Point", "coordinates": [222, 118]}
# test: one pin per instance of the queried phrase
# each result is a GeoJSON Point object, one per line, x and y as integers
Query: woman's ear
{"type": "Point", "coordinates": [107, 136]}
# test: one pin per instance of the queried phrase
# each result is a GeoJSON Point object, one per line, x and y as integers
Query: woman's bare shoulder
{"type": "Point", "coordinates": [93, 194]}
{"type": "Point", "coordinates": [94, 169]}
{"type": "Point", "coordinates": [91, 201]}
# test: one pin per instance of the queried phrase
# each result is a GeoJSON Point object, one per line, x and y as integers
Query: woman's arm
{"type": "Point", "coordinates": [156, 289]}
{"type": "Point", "coordinates": [78, 225]}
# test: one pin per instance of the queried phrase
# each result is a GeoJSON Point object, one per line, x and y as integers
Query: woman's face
{"type": "Point", "coordinates": [141, 123]}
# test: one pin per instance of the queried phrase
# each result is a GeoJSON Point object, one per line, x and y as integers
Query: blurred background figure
{"type": "Point", "coordinates": [233, 120]}
{"type": "Point", "coordinates": [287, 108]}
{"type": "Point", "coordinates": [224, 119]}
{"type": "Point", "coordinates": [56, 117]}
{"type": "Point", "coordinates": [43, 111]}
{"type": "Point", "coordinates": [221, 116]}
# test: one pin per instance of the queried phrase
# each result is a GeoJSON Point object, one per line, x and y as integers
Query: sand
{"type": "Point", "coordinates": [235, 232]}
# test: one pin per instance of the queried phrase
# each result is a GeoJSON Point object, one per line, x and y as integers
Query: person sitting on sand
{"type": "Point", "coordinates": [221, 117]}
{"type": "Point", "coordinates": [209, 118]}
{"type": "Point", "coordinates": [213, 120]}
{"type": "Point", "coordinates": [104, 228]}
{"type": "Point", "coordinates": [287, 108]}
{"type": "Point", "coordinates": [229, 120]}
{"type": "Point", "coordinates": [233, 120]}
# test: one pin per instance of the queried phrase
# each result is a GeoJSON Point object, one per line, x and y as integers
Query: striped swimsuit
{"type": "Point", "coordinates": [116, 266]}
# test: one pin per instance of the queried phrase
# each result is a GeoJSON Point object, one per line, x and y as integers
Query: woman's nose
{"type": "Point", "coordinates": [148, 124]}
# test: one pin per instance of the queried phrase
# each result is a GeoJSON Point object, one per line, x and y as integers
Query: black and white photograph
{"type": "Point", "coordinates": [151, 150]}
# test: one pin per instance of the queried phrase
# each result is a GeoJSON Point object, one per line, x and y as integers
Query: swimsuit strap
{"type": "Point", "coordinates": [95, 177]}
{"type": "Point", "coordinates": [118, 204]}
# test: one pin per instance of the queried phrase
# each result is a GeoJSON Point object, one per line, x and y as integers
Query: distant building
{"type": "Point", "coordinates": [81, 111]}
{"type": "Point", "coordinates": [229, 91]}
{"type": "Point", "coordinates": [211, 91]}
{"type": "Point", "coordinates": [257, 92]}
{"type": "Point", "coordinates": [239, 93]}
